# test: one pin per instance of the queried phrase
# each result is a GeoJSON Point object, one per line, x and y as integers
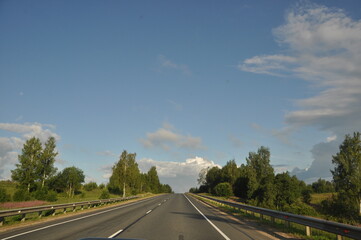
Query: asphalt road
{"type": "Point", "coordinates": [173, 216]}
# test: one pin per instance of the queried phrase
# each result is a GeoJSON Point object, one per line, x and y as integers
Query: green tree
{"type": "Point", "coordinates": [69, 180]}
{"type": "Point", "coordinates": [260, 162]}
{"type": "Point", "coordinates": [45, 165]}
{"type": "Point", "coordinates": [247, 183]}
{"type": "Point", "coordinates": [230, 172]}
{"type": "Point", "coordinates": [322, 186]}
{"type": "Point", "coordinates": [25, 173]}
{"type": "Point", "coordinates": [287, 190]}
{"type": "Point", "coordinates": [347, 176]}
{"type": "Point", "coordinates": [153, 180]}
{"type": "Point", "coordinates": [223, 189]}
{"type": "Point", "coordinates": [4, 197]}
{"type": "Point", "coordinates": [126, 177]}
{"type": "Point", "coordinates": [213, 177]}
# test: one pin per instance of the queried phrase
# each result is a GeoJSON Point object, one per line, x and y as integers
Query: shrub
{"type": "Point", "coordinates": [101, 186]}
{"type": "Point", "coordinates": [21, 195]}
{"type": "Point", "coordinates": [4, 197]}
{"type": "Point", "coordinates": [90, 186]}
{"type": "Point", "coordinates": [105, 194]}
{"type": "Point", "coordinates": [223, 189]}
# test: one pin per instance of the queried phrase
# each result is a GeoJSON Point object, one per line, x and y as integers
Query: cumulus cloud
{"type": "Point", "coordinates": [165, 63]}
{"type": "Point", "coordinates": [324, 49]}
{"type": "Point", "coordinates": [179, 175]}
{"type": "Point", "coordinates": [167, 138]}
{"type": "Point", "coordinates": [11, 146]}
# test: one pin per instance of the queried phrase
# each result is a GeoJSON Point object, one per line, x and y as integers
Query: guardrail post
{"type": "Point", "coordinates": [339, 237]}
{"type": "Point", "coordinates": [74, 207]}
{"type": "Point", "coordinates": [273, 219]}
{"type": "Point", "coordinates": [261, 216]}
{"type": "Point", "coordinates": [308, 231]}
{"type": "Point", "coordinates": [64, 210]}
{"type": "Point", "coordinates": [2, 220]}
{"type": "Point", "coordinates": [40, 214]}
{"type": "Point", "coordinates": [23, 216]}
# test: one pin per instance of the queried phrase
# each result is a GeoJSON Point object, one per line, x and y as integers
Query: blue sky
{"type": "Point", "coordinates": [184, 84]}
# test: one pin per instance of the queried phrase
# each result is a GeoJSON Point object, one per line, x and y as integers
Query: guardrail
{"type": "Point", "coordinates": [309, 222]}
{"type": "Point", "coordinates": [65, 207]}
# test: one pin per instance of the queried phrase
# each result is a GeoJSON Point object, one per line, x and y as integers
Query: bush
{"type": "Point", "coordinates": [101, 186]}
{"type": "Point", "coordinates": [21, 195]}
{"type": "Point", "coordinates": [4, 197]}
{"type": "Point", "coordinates": [105, 194]}
{"type": "Point", "coordinates": [45, 195]}
{"type": "Point", "coordinates": [223, 189]}
{"type": "Point", "coordinates": [52, 196]}
{"type": "Point", "coordinates": [90, 186]}
{"type": "Point", "coordinates": [300, 208]}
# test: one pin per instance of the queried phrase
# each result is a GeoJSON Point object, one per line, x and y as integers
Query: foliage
{"type": "Point", "coordinates": [213, 177]}
{"type": "Point", "coordinates": [90, 186]}
{"type": "Point", "coordinates": [306, 195]}
{"type": "Point", "coordinates": [223, 189]}
{"type": "Point", "coordinates": [45, 166]}
{"type": "Point", "coordinates": [126, 178]}
{"type": "Point", "coordinates": [21, 195]}
{"type": "Point", "coordinates": [69, 181]}
{"type": "Point", "coordinates": [287, 190]}
{"type": "Point", "coordinates": [46, 195]}
{"type": "Point", "coordinates": [36, 165]}
{"type": "Point", "coordinates": [322, 186]}
{"type": "Point", "coordinates": [101, 186]}
{"type": "Point", "coordinates": [105, 194]}
{"type": "Point", "coordinates": [25, 172]}
{"type": "Point", "coordinates": [347, 178]}
{"type": "Point", "coordinates": [4, 196]}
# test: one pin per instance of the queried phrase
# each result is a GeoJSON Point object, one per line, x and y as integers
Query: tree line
{"type": "Point", "coordinates": [37, 177]}
{"type": "Point", "coordinates": [256, 183]}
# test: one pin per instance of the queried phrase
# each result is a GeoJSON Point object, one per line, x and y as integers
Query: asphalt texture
{"type": "Point", "coordinates": [172, 216]}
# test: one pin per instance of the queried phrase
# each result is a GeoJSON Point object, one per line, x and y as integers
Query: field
{"type": "Point", "coordinates": [10, 188]}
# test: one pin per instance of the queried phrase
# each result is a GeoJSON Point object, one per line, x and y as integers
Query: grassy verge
{"type": "Point", "coordinates": [294, 229]}
{"type": "Point", "coordinates": [32, 218]}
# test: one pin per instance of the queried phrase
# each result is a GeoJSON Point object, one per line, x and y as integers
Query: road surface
{"type": "Point", "coordinates": [173, 216]}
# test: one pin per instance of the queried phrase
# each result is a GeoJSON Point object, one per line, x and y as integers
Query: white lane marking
{"type": "Point", "coordinates": [72, 220]}
{"type": "Point", "coordinates": [215, 227]}
{"type": "Point", "coordinates": [115, 234]}
{"type": "Point", "coordinates": [148, 212]}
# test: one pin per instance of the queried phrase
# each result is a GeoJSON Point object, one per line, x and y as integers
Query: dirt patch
{"type": "Point", "coordinates": [27, 204]}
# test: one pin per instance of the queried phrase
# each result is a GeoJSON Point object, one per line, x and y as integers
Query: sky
{"type": "Point", "coordinates": [185, 85]}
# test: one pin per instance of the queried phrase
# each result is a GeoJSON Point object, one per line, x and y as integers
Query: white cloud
{"type": "Point", "coordinates": [324, 49]}
{"type": "Point", "coordinates": [165, 63]}
{"type": "Point", "coordinates": [167, 138]}
{"type": "Point", "coordinates": [179, 175]}
{"type": "Point", "coordinates": [11, 146]}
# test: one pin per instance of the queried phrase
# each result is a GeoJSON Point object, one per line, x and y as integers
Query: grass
{"type": "Point", "coordinates": [10, 188]}
{"type": "Point", "coordinates": [317, 198]}
{"type": "Point", "coordinates": [293, 228]}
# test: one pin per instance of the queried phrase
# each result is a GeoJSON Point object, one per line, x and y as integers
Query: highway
{"type": "Point", "coordinates": [172, 216]}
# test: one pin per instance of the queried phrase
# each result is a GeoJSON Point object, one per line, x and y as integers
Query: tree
{"type": "Point", "coordinates": [223, 189]}
{"type": "Point", "coordinates": [153, 180]}
{"type": "Point", "coordinates": [126, 175]}
{"type": "Point", "coordinates": [322, 186]}
{"type": "Point", "coordinates": [260, 163]}
{"type": "Point", "coordinates": [69, 180]}
{"type": "Point", "coordinates": [213, 177]}
{"type": "Point", "coordinates": [230, 172]}
{"type": "Point", "coordinates": [287, 190]}
{"type": "Point", "coordinates": [247, 183]}
{"type": "Point", "coordinates": [45, 165]}
{"type": "Point", "coordinates": [25, 172]}
{"type": "Point", "coordinates": [347, 176]}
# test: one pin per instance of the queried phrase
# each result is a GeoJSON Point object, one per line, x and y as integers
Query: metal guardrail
{"type": "Point", "coordinates": [73, 206]}
{"type": "Point", "coordinates": [339, 229]}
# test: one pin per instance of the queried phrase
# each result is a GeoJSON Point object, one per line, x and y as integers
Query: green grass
{"type": "Point", "coordinates": [294, 229]}
{"type": "Point", "coordinates": [317, 198]}
{"type": "Point", "coordinates": [10, 187]}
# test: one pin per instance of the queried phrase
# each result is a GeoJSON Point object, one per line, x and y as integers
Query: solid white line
{"type": "Point", "coordinates": [72, 220]}
{"type": "Point", "coordinates": [215, 227]}
{"type": "Point", "coordinates": [148, 212]}
{"type": "Point", "coordinates": [115, 234]}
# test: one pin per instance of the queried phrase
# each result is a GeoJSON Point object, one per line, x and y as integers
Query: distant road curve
{"type": "Point", "coordinates": [172, 216]}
